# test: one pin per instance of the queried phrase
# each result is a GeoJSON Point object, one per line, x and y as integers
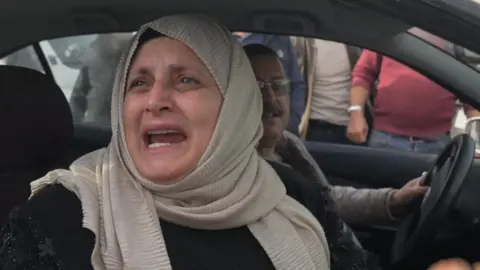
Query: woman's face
{"type": "Point", "coordinates": [172, 104]}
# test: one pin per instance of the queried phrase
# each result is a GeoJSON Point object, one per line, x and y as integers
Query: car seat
{"type": "Point", "coordinates": [36, 130]}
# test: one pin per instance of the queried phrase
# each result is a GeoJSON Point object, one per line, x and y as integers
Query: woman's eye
{"type": "Point", "coordinates": [138, 83]}
{"type": "Point", "coordinates": [188, 80]}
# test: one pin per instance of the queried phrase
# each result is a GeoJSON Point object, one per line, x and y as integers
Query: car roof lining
{"type": "Point", "coordinates": [58, 18]}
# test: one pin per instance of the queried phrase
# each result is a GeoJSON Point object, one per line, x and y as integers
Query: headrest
{"type": "Point", "coordinates": [36, 126]}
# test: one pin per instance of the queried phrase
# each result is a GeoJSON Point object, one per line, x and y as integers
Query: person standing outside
{"type": "Point", "coordinates": [91, 95]}
{"type": "Point", "coordinates": [410, 111]}
{"type": "Point", "coordinates": [327, 67]}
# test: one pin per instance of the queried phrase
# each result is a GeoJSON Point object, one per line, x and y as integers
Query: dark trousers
{"type": "Point", "coordinates": [321, 131]}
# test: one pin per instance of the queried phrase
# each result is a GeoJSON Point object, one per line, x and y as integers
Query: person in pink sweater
{"type": "Point", "coordinates": [410, 111]}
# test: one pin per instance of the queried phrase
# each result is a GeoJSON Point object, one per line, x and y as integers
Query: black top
{"type": "Point", "coordinates": [46, 233]}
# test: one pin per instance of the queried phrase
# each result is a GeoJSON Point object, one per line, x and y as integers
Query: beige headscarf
{"type": "Point", "coordinates": [231, 187]}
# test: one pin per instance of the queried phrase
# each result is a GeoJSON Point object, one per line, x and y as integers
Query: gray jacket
{"type": "Point", "coordinates": [355, 206]}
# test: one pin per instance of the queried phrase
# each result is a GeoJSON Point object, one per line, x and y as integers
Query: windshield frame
{"type": "Point", "coordinates": [433, 16]}
{"type": "Point", "coordinates": [466, 9]}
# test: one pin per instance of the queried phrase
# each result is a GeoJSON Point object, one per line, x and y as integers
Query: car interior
{"type": "Point", "coordinates": [445, 224]}
{"type": "Point", "coordinates": [32, 143]}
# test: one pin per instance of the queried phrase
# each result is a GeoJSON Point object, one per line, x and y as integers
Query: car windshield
{"type": "Point", "coordinates": [84, 66]}
{"type": "Point", "coordinates": [323, 92]}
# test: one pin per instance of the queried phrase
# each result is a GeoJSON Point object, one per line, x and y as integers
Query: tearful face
{"type": "Point", "coordinates": [172, 104]}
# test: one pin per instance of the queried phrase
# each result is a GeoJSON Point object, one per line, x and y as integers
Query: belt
{"type": "Point", "coordinates": [322, 123]}
{"type": "Point", "coordinates": [415, 139]}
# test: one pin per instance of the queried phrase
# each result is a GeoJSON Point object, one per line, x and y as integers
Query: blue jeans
{"type": "Point", "coordinates": [381, 139]}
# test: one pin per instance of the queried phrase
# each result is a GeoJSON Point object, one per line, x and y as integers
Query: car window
{"type": "Point", "coordinates": [405, 110]}
{"type": "Point", "coordinates": [84, 67]}
{"type": "Point", "coordinates": [94, 70]}
{"type": "Point", "coordinates": [70, 49]}
{"type": "Point", "coordinates": [464, 55]}
{"type": "Point", "coordinates": [25, 57]}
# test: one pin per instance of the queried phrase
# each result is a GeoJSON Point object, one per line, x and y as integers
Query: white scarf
{"type": "Point", "coordinates": [231, 187]}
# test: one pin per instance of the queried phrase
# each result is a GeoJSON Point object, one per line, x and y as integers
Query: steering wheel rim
{"type": "Point", "coordinates": [445, 180]}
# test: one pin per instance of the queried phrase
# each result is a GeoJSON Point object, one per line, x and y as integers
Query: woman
{"type": "Point", "coordinates": [454, 264]}
{"type": "Point", "coordinates": [181, 185]}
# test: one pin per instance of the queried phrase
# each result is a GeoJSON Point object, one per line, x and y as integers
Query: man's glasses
{"type": "Point", "coordinates": [280, 87]}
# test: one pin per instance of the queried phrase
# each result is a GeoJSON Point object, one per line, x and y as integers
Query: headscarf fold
{"type": "Point", "coordinates": [231, 187]}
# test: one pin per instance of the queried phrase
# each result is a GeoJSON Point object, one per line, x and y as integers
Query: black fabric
{"type": "Point", "coordinates": [24, 244]}
{"type": "Point", "coordinates": [46, 234]}
{"type": "Point", "coordinates": [345, 252]}
{"type": "Point", "coordinates": [36, 120]}
{"type": "Point", "coordinates": [54, 216]}
{"type": "Point", "coordinates": [323, 131]}
{"type": "Point", "coordinates": [353, 55]}
{"type": "Point", "coordinates": [15, 189]}
{"type": "Point", "coordinates": [220, 249]}
{"type": "Point", "coordinates": [37, 130]}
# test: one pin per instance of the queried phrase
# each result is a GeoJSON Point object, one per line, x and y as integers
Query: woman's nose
{"type": "Point", "coordinates": [160, 97]}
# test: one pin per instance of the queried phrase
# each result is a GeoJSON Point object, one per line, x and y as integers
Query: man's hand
{"type": "Point", "coordinates": [454, 264]}
{"type": "Point", "coordinates": [403, 198]}
{"type": "Point", "coordinates": [357, 130]}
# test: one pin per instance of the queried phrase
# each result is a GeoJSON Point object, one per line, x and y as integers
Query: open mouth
{"type": "Point", "coordinates": [163, 137]}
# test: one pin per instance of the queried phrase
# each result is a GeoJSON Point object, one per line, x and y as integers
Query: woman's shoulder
{"type": "Point", "coordinates": [46, 232]}
{"type": "Point", "coordinates": [58, 212]}
{"type": "Point", "coordinates": [51, 197]}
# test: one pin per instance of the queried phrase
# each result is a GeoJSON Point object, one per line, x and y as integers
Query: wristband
{"type": "Point", "coordinates": [354, 108]}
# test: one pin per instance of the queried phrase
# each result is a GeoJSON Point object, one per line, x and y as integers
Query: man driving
{"type": "Point", "coordinates": [355, 206]}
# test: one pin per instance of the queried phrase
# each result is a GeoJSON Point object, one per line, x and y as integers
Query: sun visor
{"type": "Point", "coordinates": [337, 22]}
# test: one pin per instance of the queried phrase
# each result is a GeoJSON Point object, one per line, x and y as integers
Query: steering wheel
{"type": "Point", "coordinates": [445, 180]}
